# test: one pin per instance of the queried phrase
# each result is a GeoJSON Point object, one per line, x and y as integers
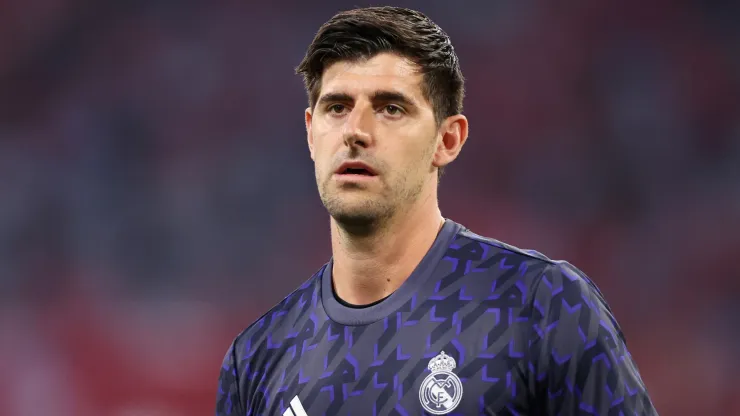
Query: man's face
{"type": "Point", "coordinates": [371, 117]}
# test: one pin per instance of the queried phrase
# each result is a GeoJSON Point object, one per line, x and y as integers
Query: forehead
{"type": "Point", "coordinates": [381, 72]}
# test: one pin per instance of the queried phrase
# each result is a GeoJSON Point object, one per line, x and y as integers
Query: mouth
{"type": "Point", "coordinates": [355, 169]}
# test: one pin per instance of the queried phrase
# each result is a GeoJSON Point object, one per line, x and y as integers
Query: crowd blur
{"type": "Point", "coordinates": [157, 196]}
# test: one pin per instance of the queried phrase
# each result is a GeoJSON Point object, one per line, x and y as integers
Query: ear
{"type": "Point", "coordinates": [309, 133]}
{"type": "Point", "coordinates": [453, 133]}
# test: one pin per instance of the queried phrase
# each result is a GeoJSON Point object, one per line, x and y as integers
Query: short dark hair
{"type": "Point", "coordinates": [363, 33]}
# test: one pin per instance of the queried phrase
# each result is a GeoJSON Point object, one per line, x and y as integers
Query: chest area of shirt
{"type": "Point", "coordinates": [434, 364]}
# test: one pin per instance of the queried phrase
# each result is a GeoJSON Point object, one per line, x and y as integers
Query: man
{"type": "Point", "coordinates": [415, 314]}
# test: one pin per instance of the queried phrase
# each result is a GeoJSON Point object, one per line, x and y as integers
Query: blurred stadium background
{"type": "Point", "coordinates": [156, 194]}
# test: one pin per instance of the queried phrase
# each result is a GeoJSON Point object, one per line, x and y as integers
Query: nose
{"type": "Point", "coordinates": [358, 127]}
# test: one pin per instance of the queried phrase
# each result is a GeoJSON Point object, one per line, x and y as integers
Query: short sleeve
{"type": "Point", "coordinates": [580, 362]}
{"type": "Point", "coordinates": [228, 401]}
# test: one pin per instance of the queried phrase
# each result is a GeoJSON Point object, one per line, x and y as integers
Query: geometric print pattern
{"type": "Point", "coordinates": [529, 335]}
{"type": "Point", "coordinates": [580, 361]}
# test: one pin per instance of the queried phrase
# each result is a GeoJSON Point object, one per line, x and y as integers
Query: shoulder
{"type": "Point", "coordinates": [465, 235]}
{"type": "Point", "coordinates": [279, 319]}
{"type": "Point", "coordinates": [563, 305]}
{"type": "Point", "coordinates": [565, 294]}
{"type": "Point", "coordinates": [575, 347]}
{"type": "Point", "coordinates": [500, 261]}
{"type": "Point", "coordinates": [251, 352]}
{"type": "Point", "coordinates": [546, 279]}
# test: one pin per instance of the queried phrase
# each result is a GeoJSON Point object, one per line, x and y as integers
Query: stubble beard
{"type": "Point", "coordinates": [367, 212]}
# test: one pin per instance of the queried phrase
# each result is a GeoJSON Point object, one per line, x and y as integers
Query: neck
{"type": "Point", "coordinates": [370, 266]}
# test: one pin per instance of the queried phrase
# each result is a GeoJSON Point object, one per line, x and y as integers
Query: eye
{"type": "Point", "coordinates": [393, 110]}
{"type": "Point", "coordinates": [336, 108]}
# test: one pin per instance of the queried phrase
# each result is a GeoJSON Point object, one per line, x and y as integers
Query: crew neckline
{"type": "Point", "coordinates": [364, 315]}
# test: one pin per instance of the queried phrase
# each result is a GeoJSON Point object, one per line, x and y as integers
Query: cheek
{"type": "Point", "coordinates": [322, 153]}
{"type": "Point", "coordinates": [417, 157]}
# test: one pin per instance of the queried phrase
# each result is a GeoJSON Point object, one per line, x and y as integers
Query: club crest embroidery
{"type": "Point", "coordinates": [441, 391]}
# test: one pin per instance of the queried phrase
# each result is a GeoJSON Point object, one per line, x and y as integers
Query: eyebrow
{"type": "Point", "coordinates": [335, 97]}
{"type": "Point", "coordinates": [378, 96]}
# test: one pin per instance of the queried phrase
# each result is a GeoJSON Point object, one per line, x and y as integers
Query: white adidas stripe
{"type": "Point", "coordinates": [296, 408]}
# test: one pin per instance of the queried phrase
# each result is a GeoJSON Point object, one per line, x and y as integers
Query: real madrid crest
{"type": "Point", "coordinates": [441, 391]}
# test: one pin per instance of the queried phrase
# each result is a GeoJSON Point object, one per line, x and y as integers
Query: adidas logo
{"type": "Point", "coordinates": [295, 408]}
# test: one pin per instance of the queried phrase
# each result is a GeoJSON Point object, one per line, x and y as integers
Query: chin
{"type": "Point", "coordinates": [355, 220]}
{"type": "Point", "coordinates": [357, 212]}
